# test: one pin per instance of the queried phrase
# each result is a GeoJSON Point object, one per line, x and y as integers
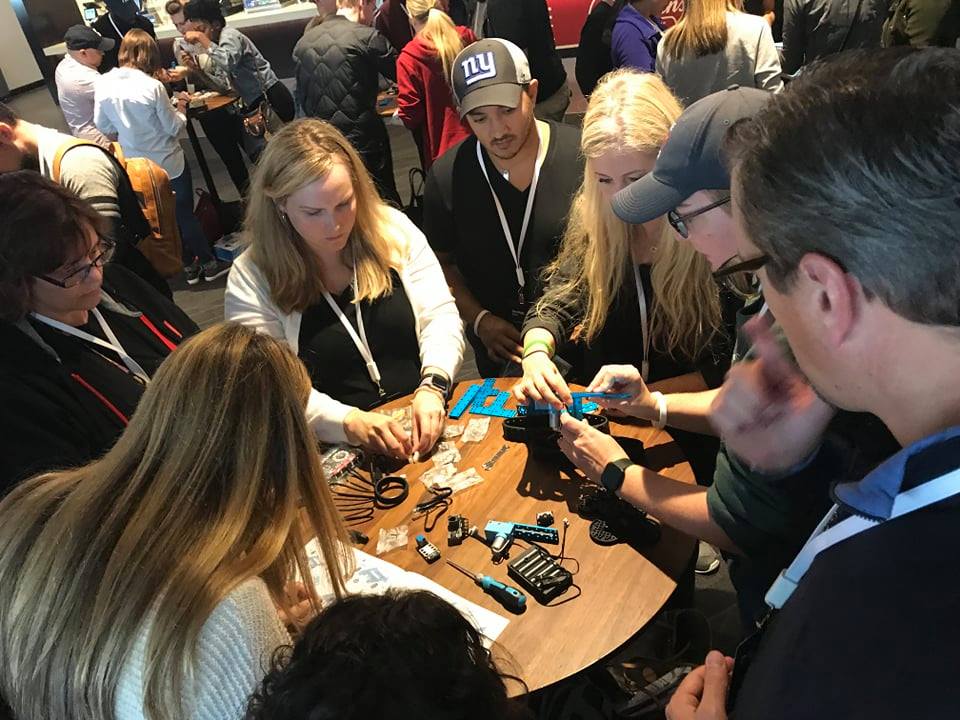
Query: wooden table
{"type": "Point", "coordinates": [622, 589]}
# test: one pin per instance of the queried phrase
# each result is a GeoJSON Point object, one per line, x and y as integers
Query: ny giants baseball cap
{"type": "Point", "coordinates": [690, 159]}
{"type": "Point", "coordinates": [489, 72]}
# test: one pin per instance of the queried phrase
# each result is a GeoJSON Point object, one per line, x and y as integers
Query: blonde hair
{"type": "Point", "coordinates": [140, 51]}
{"type": "Point", "coordinates": [438, 30]}
{"type": "Point", "coordinates": [702, 30]}
{"type": "Point", "coordinates": [200, 493]}
{"type": "Point", "coordinates": [630, 111]}
{"type": "Point", "coordinates": [300, 153]}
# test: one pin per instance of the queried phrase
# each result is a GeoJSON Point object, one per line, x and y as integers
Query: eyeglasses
{"type": "Point", "coordinates": [740, 278]}
{"type": "Point", "coordinates": [104, 251]}
{"type": "Point", "coordinates": [679, 222]}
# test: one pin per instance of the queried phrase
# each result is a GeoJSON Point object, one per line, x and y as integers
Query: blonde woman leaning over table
{"type": "Point", "coordinates": [352, 286]}
{"type": "Point", "coordinates": [151, 583]}
{"type": "Point", "coordinates": [619, 293]}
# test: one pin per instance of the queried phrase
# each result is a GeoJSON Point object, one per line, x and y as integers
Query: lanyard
{"type": "Point", "coordinates": [516, 251]}
{"type": "Point", "coordinates": [112, 343]}
{"type": "Point", "coordinates": [825, 536]}
{"type": "Point", "coordinates": [363, 347]}
{"type": "Point", "coordinates": [119, 34]}
{"type": "Point", "coordinates": [644, 323]}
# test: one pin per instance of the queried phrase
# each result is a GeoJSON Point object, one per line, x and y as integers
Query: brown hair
{"type": "Point", "coordinates": [702, 30]}
{"type": "Point", "coordinates": [173, 7]}
{"type": "Point", "coordinates": [43, 227]}
{"type": "Point", "coordinates": [216, 481]}
{"type": "Point", "coordinates": [140, 51]}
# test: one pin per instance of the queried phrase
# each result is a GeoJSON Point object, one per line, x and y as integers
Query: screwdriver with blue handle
{"type": "Point", "coordinates": [508, 596]}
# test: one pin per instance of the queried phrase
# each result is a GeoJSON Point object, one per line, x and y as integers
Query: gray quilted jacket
{"type": "Point", "coordinates": [338, 64]}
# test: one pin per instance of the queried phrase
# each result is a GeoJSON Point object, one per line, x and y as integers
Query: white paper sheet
{"type": "Point", "coordinates": [374, 576]}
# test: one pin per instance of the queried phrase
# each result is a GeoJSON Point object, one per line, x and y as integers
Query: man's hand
{"type": "Point", "coordinates": [624, 379]}
{"type": "Point", "coordinates": [542, 382]}
{"type": "Point", "coordinates": [428, 413]}
{"type": "Point", "coordinates": [703, 693]}
{"type": "Point", "coordinates": [377, 432]}
{"type": "Point", "coordinates": [187, 60]}
{"type": "Point", "coordinates": [766, 412]}
{"type": "Point", "coordinates": [178, 73]}
{"type": "Point", "coordinates": [586, 447]}
{"type": "Point", "coordinates": [501, 338]}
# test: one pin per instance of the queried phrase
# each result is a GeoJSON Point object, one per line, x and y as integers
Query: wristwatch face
{"type": "Point", "coordinates": [437, 381]}
{"type": "Point", "coordinates": [612, 476]}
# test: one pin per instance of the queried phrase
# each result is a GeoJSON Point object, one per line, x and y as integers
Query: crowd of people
{"type": "Point", "coordinates": [762, 267]}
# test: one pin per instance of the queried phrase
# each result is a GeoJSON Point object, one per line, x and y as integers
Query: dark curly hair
{"type": "Point", "coordinates": [43, 227]}
{"type": "Point", "coordinates": [399, 655]}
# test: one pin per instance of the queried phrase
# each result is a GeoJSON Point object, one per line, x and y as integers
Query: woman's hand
{"type": "Point", "coordinates": [624, 379]}
{"type": "Point", "coordinates": [195, 37]}
{"type": "Point", "coordinates": [429, 411]}
{"type": "Point", "coordinates": [542, 382]}
{"type": "Point", "coordinates": [178, 73]}
{"type": "Point", "coordinates": [377, 432]}
{"type": "Point", "coordinates": [300, 610]}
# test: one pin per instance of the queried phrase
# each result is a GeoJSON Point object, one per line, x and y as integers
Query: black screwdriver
{"type": "Point", "coordinates": [508, 596]}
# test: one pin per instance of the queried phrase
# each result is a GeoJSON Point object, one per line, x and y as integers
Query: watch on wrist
{"type": "Point", "coordinates": [437, 382]}
{"type": "Point", "coordinates": [614, 472]}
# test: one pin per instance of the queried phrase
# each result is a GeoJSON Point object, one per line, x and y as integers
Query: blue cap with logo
{"type": "Point", "coordinates": [489, 72]}
{"type": "Point", "coordinates": [690, 160]}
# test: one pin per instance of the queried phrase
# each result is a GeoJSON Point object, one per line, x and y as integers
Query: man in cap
{"type": "Point", "coordinates": [76, 77]}
{"type": "Point", "coordinates": [495, 205]}
{"type": "Point", "coordinates": [761, 511]}
{"type": "Point", "coordinates": [122, 17]}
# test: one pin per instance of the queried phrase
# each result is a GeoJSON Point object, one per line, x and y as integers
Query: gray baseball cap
{"type": "Point", "coordinates": [489, 72]}
{"type": "Point", "coordinates": [689, 160]}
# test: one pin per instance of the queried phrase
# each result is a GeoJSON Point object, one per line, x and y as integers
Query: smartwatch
{"type": "Point", "coordinates": [613, 474]}
{"type": "Point", "coordinates": [437, 382]}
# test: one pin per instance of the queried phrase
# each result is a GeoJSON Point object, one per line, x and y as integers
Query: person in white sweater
{"type": "Point", "coordinates": [155, 582]}
{"type": "Point", "coordinates": [715, 46]}
{"type": "Point", "coordinates": [352, 286]}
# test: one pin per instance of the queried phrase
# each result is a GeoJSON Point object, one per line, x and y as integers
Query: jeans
{"type": "Point", "coordinates": [194, 244]}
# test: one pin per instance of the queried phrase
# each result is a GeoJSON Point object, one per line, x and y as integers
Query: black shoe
{"type": "Point", "coordinates": [214, 269]}
{"type": "Point", "coordinates": [193, 271]}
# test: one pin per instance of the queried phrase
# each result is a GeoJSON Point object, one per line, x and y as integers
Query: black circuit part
{"type": "Point", "coordinates": [539, 574]}
{"type": "Point", "coordinates": [545, 519]}
{"type": "Point", "coordinates": [601, 534]}
{"type": "Point", "coordinates": [616, 520]}
{"type": "Point", "coordinates": [458, 528]}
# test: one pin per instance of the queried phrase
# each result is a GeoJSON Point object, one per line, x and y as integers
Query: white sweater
{"type": "Point", "coordinates": [234, 652]}
{"type": "Point", "coordinates": [749, 59]}
{"type": "Point", "coordinates": [438, 325]}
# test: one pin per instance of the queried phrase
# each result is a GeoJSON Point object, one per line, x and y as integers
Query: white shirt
{"type": "Point", "coordinates": [75, 88]}
{"type": "Point", "coordinates": [234, 651]}
{"type": "Point", "coordinates": [135, 106]}
{"type": "Point", "coordinates": [439, 328]}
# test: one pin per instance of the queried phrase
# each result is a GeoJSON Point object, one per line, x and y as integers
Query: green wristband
{"type": "Point", "coordinates": [547, 348]}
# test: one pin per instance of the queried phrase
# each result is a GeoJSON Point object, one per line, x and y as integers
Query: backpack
{"type": "Point", "coordinates": [147, 206]}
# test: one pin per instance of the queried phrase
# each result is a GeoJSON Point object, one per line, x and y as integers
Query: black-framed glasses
{"type": "Point", "coordinates": [679, 222]}
{"type": "Point", "coordinates": [104, 251]}
{"type": "Point", "coordinates": [740, 276]}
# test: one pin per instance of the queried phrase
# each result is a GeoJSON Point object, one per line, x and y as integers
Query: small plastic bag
{"type": "Point", "coordinates": [445, 454]}
{"type": "Point", "coordinates": [391, 539]}
{"type": "Point", "coordinates": [452, 431]}
{"type": "Point", "coordinates": [476, 430]}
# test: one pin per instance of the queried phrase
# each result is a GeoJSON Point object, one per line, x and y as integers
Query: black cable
{"type": "Point", "coordinates": [390, 484]}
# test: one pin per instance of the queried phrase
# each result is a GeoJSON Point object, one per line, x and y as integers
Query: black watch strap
{"type": "Point", "coordinates": [613, 474]}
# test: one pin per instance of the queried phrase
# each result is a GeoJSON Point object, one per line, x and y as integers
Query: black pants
{"type": "Point", "coordinates": [281, 101]}
{"type": "Point", "coordinates": [224, 130]}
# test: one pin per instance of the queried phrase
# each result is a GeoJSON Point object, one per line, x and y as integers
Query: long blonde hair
{"type": "Point", "coordinates": [199, 494]}
{"type": "Point", "coordinates": [702, 30]}
{"type": "Point", "coordinates": [438, 30]}
{"type": "Point", "coordinates": [300, 153]}
{"type": "Point", "coordinates": [630, 110]}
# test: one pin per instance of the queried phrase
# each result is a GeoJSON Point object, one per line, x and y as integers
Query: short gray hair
{"type": "Point", "coordinates": [859, 160]}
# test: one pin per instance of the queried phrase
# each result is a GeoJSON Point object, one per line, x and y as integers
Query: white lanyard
{"type": "Point", "coordinates": [119, 34]}
{"type": "Point", "coordinates": [112, 343]}
{"type": "Point", "coordinates": [516, 251]}
{"type": "Point", "coordinates": [921, 496]}
{"type": "Point", "coordinates": [644, 323]}
{"type": "Point", "coordinates": [363, 347]}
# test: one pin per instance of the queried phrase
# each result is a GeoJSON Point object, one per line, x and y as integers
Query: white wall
{"type": "Point", "coordinates": [16, 61]}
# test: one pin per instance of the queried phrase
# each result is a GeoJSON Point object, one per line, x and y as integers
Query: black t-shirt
{"type": "Point", "coordinates": [871, 631]}
{"type": "Point", "coordinates": [460, 218]}
{"type": "Point", "coordinates": [335, 364]}
{"type": "Point", "coordinates": [593, 52]}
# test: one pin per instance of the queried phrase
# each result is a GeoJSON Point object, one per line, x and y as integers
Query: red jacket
{"type": "Point", "coordinates": [425, 101]}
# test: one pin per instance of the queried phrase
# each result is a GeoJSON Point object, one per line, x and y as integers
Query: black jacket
{"type": "Point", "coordinates": [50, 415]}
{"type": "Point", "coordinates": [105, 27]}
{"type": "Point", "coordinates": [338, 65]}
{"type": "Point", "coordinates": [526, 23]}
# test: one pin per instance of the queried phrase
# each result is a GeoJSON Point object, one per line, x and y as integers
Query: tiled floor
{"type": "Point", "coordinates": [204, 303]}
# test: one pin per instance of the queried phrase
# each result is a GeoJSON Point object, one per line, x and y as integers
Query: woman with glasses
{"type": "Point", "coordinates": [79, 339]}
